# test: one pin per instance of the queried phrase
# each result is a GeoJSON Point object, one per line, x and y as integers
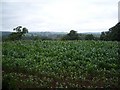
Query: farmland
{"type": "Point", "coordinates": [57, 64]}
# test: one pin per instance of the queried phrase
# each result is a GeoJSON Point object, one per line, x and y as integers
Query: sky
{"type": "Point", "coordinates": [59, 15]}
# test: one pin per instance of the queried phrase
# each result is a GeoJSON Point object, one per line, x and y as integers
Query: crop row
{"type": "Point", "coordinates": [80, 63]}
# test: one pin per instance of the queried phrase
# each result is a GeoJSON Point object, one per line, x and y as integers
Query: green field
{"type": "Point", "coordinates": [57, 64]}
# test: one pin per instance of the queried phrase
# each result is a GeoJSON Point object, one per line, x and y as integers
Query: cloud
{"type": "Point", "coordinates": [60, 15]}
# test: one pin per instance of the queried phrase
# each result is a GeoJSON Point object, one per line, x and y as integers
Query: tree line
{"type": "Point", "coordinates": [111, 35]}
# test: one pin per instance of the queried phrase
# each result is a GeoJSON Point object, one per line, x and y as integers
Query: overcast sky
{"type": "Point", "coordinates": [60, 15]}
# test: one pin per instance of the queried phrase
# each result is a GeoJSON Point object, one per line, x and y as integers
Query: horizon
{"type": "Point", "coordinates": [59, 15]}
{"type": "Point", "coordinates": [50, 32]}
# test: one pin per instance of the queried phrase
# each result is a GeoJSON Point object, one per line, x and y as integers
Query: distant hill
{"type": "Point", "coordinates": [46, 33]}
{"type": "Point", "coordinates": [5, 33]}
{"type": "Point", "coordinates": [50, 32]}
{"type": "Point", "coordinates": [96, 34]}
{"type": "Point", "coordinates": [50, 35]}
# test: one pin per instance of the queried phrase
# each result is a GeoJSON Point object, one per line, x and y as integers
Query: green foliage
{"type": "Point", "coordinates": [111, 35]}
{"type": "Point", "coordinates": [57, 64]}
{"type": "Point", "coordinates": [89, 37]}
{"type": "Point", "coordinates": [9, 83]}
{"type": "Point", "coordinates": [18, 34]}
{"type": "Point", "coordinates": [15, 36]}
{"type": "Point", "coordinates": [71, 36]}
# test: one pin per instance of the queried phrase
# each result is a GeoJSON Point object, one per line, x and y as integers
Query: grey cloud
{"type": "Point", "coordinates": [30, 13]}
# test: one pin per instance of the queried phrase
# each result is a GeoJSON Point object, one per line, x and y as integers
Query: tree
{"type": "Point", "coordinates": [18, 34]}
{"type": "Point", "coordinates": [102, 36]}
{"type": "Point", "coordinates": [89, 37]}
{"type": "Point", "coordinates": [105, 36]}
{"type": "Point", "coordinates": [113, 33]}
{"type": "Point", "coordinates": [25, 30]}
{"type": "Point", "coordinates": [71, 36]}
